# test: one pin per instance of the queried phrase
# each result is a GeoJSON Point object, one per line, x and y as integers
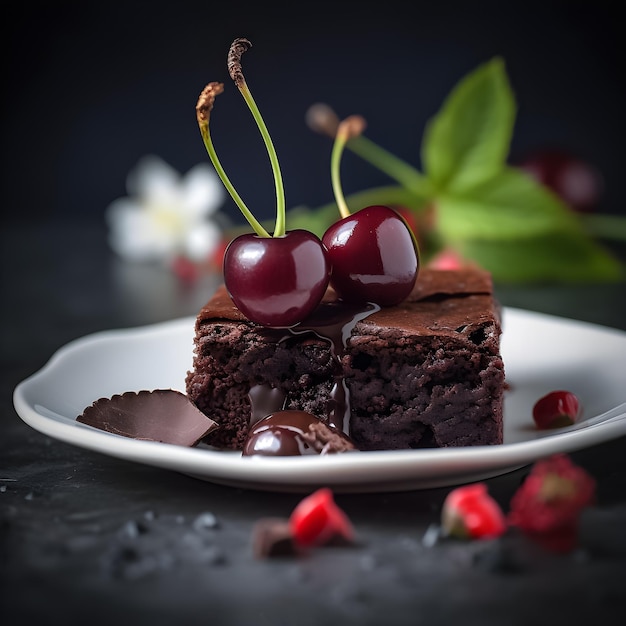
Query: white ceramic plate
{"type": "Point", "coordinates": [541, 353]}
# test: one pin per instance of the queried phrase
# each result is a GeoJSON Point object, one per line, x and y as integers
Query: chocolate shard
{"type": "Point", "coordinates": [162, 415]}
{"type": "Point", "coordinates": [271, 537]}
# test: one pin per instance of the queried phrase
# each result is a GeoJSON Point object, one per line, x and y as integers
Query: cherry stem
{"type": "Point", "coordinates": [203, 114]}
{"type": "Point", "coordinates": [388, 194]}
{"type": "Point", "coordinates": [319, 219]}
{"type": "Point", "coordinates": [237, 48]}
{"type": "Point", "coordinates": [322, 119]}
{"type": "Point", "coordinates": [352, 126]}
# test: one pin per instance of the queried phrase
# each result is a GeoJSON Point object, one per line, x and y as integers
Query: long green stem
{"type": "Point", "coordinates": [389, 195]}
{"type": "Point", "coordinates": [203, 111]}
{"type": "Point", "coordinates": [280, 227]}
{"type": "Point", "coordinates": [335, 160]}
{"type": "Point", "coordinates": [237, 48]}
{"type": "Point", "coordinates": [317, 220]}
{"type": "Point", "coordinates": [389, 163]}
{"type": "Point", "coordinates": [322, 119]}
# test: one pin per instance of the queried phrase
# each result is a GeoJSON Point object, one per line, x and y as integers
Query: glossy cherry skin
{"type": "Point", "coordinates": [276, 281]}
{"type": "Point", "coordinates": [374, 256]}
{"type": "Point", "coordinates": [283, 433]}
{"type": "Point", "coordinates": [571, 178]}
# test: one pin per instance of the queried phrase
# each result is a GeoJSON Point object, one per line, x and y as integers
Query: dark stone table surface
{"type": "Point", "coordinates": [89, 539]}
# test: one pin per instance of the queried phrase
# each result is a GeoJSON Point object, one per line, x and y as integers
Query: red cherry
{"type": "Point", "coordinates": [373, 255]}
{"type": "Point", "coordinates": [276, 281]}
{"type": "Point", "coordinates": [556, 409]}
{"type": "Point", "coordinates": [284, 433]}
{"type": "Point", "coordinates": [574, 180]}
{"type": "Point", "coordinates": [410, 219]}
{"type": "Point", "coordinates": [317, 519]}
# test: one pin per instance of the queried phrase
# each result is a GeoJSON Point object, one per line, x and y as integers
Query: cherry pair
{"type": "Point", "coordinates": [279, 279]}
{"type": "Point", "coordinates": [370, 256]}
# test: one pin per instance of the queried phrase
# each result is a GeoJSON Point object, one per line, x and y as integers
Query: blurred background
{"type": "Point", "coordinates": [91, 87]}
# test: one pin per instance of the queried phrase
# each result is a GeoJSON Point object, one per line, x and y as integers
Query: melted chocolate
{"type": "Point", "coordinates": [294, 433]}
{"type": "Point", "coordinates": [263, 401]}
{"type": "Point", "coordinates": [334, 322]}
{"type": "Point", "coordinates": [281, 433]}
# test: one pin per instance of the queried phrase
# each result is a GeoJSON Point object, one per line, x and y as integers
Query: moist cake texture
{"type": "Point", "coordinates": [426, 373]}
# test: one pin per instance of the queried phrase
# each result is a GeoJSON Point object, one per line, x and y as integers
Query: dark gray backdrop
{"type": "Point", "coordinates": [91, 87]}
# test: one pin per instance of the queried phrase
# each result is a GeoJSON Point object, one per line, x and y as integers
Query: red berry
{"type": "Point", "coordinates": [317, 519]}
{"type": "Point", "coordinates": [374, 256]}
{"type": "Point", "coordinates": [470, 512]}
{"type": "Point", "coordinates": [574, 180]}
{"type": "Point", "coordinates": [276, 281]}
{"type": "Point", "coordinates": [556, 409]}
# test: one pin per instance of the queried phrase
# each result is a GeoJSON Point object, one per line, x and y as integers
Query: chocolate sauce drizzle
{"type": "Point", "coordinates": [332, 322]}
{"type": "Point", "coordinates": [265, 400]}
{"type": "Point", "coordinates": [294, 433]}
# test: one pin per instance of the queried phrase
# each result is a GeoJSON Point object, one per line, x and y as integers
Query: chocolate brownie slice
{"type": "Point", "coordinates": [425, 373]}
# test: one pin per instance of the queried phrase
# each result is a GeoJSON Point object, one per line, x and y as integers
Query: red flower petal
{"type": "Point", "coordinates": [470, 511]}
{"type": "Point", "coordinates": [552, 496]}
{"type": "Point", "coordinates": [317, 519]}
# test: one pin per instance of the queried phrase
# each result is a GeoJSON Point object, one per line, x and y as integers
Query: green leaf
{"type": "Point", "coordinates": [511, 204]}
{"type": "Point", "coordinates": [468, 139]}
{"type": "Point", "coordinates": [553, 257]}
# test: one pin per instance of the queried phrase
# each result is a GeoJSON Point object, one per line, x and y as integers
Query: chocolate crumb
{"type": "Point", "coordinates": [326, 440]}
{"type": "Point", "coordinates": [271, 537]}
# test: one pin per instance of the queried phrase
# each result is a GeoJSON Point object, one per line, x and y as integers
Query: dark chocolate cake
{"type": "Point", "coordinates": [426, 373]}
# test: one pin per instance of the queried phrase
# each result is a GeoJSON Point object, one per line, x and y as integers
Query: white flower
{"type": "Point", "coordinates": [166, 214]}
